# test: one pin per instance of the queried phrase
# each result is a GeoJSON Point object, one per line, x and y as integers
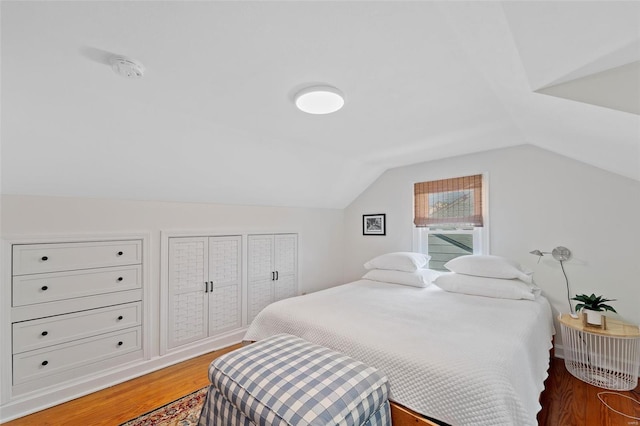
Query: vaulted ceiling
{"type": "Point", "coordinates": [213, 120]}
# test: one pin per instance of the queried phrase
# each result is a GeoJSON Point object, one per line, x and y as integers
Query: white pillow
{"type": "Point", "coordinates": [489, 287]}
{"type": "Point", "coordinates": [419, 278]}
{"type": "Point", "coordinates": [399, 261]}
{"type": "Point", "coordinates": [489, 266]}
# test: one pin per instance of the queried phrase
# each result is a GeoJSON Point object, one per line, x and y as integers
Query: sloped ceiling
{"type": "Point", "coordinates": [213, 118]}
{"type": "Point", "coordinates": [617, 88]}
{"type": "Point", "coordinates": [585, 67]}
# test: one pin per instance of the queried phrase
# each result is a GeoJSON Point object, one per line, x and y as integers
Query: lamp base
{"type": "Point", "coordinates": [574, 315]}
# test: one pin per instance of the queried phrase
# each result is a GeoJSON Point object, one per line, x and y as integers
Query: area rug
{"type": "Point", "coordinates": [181, 412]}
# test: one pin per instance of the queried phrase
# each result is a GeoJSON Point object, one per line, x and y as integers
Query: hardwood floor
{"type": "Point", "coordinates": [566, 400]}
{"type": "Point", "coordinates": [119, 403]}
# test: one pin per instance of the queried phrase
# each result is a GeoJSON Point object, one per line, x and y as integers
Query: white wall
{"type": "Point", "coordinates": [537, 200]}
{"type": "Point", "coordinates": [320, 230]}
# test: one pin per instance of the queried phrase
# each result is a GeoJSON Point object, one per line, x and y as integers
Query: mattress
{"type": "Point", "coordinates": [461, 359]}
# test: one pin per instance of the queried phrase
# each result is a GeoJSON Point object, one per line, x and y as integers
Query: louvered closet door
{"type": "Point", "coordinates": [188, 274]}
{"type": "Point", "coordinates": [259, 273]}
{"type": "Point", "coordinates": [225, 272]}
{"type": "Point", "coordinates": [286, 265]}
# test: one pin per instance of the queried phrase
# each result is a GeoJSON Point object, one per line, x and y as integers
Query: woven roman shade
{"type": "Point", "coordinates": [455, 202]}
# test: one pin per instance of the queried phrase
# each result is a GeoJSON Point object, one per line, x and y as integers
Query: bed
{"type": "Point", "coordinates": [458, 358]}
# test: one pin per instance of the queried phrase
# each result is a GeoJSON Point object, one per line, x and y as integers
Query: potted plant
{"type": "Point", "coordinates": [593, 306]}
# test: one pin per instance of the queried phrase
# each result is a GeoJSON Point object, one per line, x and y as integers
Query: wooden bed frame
{"type": "Point", "coordinates": [402, 416]}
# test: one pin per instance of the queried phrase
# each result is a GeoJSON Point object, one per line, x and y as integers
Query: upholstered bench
{"type": "Point", "coordinates": [285, 380]}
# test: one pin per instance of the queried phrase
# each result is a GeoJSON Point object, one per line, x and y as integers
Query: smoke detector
{"type": "Point", "coordinates": [127, 67]}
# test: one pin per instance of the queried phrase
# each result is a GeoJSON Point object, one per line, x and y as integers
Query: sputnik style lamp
{"type": "Point", "coordinates": [561, 254]}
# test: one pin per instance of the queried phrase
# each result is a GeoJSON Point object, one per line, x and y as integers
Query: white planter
{"type": "Point", "coordinates": [594, 317]}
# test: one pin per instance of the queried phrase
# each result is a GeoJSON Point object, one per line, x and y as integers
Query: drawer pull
{"type": "Point", "coordinates": [44, 288]}
{"type": "Point", "coordinates": [45, 258]}
{"type": "Point", "coordinates": [120, 253]}
{"type": "Point", "coordinates": [45, 362]}
{"type": "Point", "coordinates": [44, 333]}
{"type": "Point", "coordinates": [120, 279]}
{"type": "Point", "coordinates": [120, 318]}
{"type": "Point", "coordinates": [120, 343]}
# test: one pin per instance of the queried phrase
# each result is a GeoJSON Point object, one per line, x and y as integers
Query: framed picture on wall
{"type": "Point", "coordinates": [374, 224]}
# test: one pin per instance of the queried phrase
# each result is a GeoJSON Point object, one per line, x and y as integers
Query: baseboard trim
{"type": "Point", "coordinates": [32, 402]}
{"type": "Point", "coordinates": [558, 351]}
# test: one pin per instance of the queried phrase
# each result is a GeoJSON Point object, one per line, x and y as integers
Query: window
{"type": "Point", "coordinates": [449, 218]}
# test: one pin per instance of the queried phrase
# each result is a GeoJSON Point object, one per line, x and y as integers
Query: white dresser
{"type": "Point", "coordinates": [76, 309]}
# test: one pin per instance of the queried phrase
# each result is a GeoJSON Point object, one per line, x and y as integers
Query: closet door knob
{"type": "Point", "coordinates": [120, 253]}
{"type": "Point", "coordinates": [44, 288]}
{"type": "Point", "coordinates": [45, 362]}
{"type": "Point", "coordinates": [44, 333]}
{"type": "Point", "coordinates": [120, 279]}
{"type": "Point", "coordinates": [120, 318]}
{"type": "Point", "coordinates": [119, 343]}
{"type": "Point", "coordinates": [45, 258]}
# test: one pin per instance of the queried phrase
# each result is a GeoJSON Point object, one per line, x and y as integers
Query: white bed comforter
{"type": "Point", "coordinates": [464, 360]}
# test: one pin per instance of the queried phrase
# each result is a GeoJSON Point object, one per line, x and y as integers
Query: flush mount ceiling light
{"type": "Point", "coordinates": [319, 100]}
{"type": "Point", "coordinates": [127, 67]}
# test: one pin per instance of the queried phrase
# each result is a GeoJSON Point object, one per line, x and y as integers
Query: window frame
{"type": "Point", "coordinates": [481, 235]}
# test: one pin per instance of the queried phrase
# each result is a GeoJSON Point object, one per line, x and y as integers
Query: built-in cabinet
{"type": "Point", "coordinates": [76, 309]}
{"type": "Point", "coordinates": [78, 314]}
{"type": "Point", "coordinates": [205, 280]}
{"type": "Point", "coordinates": [217, 284]}
{"type": "Point", "coordinates": [272, 265]}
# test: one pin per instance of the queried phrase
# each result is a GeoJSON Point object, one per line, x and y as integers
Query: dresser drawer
{"type": "Point", "coordinates": [36, 334]}
{"type": "Point", "coordinates": [40, 288]}
{"type": "Point", "coordinates": [39, 363]}
{"type": "Point", "coordinates": [41, 258]}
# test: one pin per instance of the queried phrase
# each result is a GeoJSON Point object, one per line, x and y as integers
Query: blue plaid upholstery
{"type": "Point", "coordinates": [285, 380]}
{"type": "Point", "coordinates": [217, 410]}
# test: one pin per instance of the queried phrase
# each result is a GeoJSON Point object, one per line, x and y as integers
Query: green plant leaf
{"type": "Point", "coordinates": [608, 308]}
{"type": "Point", "coordinates": [593, 302]}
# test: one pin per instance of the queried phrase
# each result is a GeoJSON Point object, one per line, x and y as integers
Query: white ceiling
{"type": "Point", "coordinates": [213, 118]}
